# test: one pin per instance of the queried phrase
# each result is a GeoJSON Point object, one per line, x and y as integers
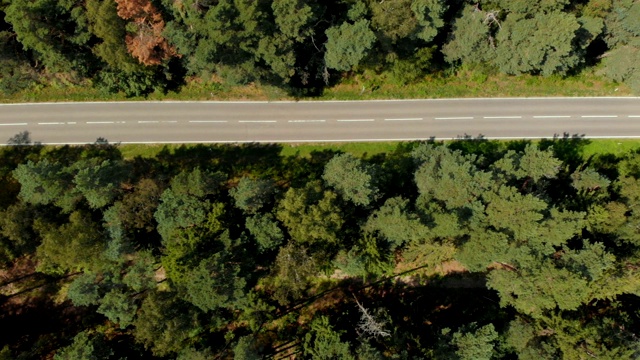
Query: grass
{"type": "Point", "coordinates": [363, 149]}
{"type": "Point", "coordinates": [362, 86]}
{"type": "Point", "coordinates": [617, 147]}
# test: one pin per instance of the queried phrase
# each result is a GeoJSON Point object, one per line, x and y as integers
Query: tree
{"type": "Point", "coordinates": [533, 163]}
{"type": "Point", "coordinates": [100, 183]}
{"type": "Point", "coordinates": [548, 52]}
{"type": "Point", "coordinates": [291, 273]}
{"type": "Point", "coordinates": [449, 177]}
{"type": "Point", "coordinates": [164, 323]}
{"type": "Point", "coordinates": [119, 307]}
{"type": "Point", "coordinates": [266, 231]}
{"type": "Point", "coordinates": [136, 209]}
{"type": "Point", "coordinates": [215, 283]}
{"type": "Point", "coordinates": [85, 348]}
{"type": "Point", "coordinates": [246, 349]}
{"type": "Point", "coordinates": [294, 18]}
{"type": "Point", "coordinates": [471, 41]}
{"type": "Point", "coordinates": [323, 343]}
{"type": "Point", "coordinates": [429, 14]}
{"type": "Point", "coordinates": [394, 21]}
{"type": "Point", "coordinates": [122, 71]}
{"type": "Point", "coordinates": [55, 30]}
{"type": "Point", "coordinates": [352, 179]}
{"type": "Point", "coordinates": [348, 44]}
{"type": "Point", "coordinates": [396, 223]}
{"type": "Point", "coordinates": [252, 194]}
{"type": "Point", "coordinates": [475, 343]}
{"type": "Point", "coordinates": [46, 182]}
{"type": "Point", "coordinates": [311, 214]}
{"type": "Point", "coordinates": [146, 43]}
{"type": "Point", "coordinates": [75, 245]}
{"type": "Point", "coordinates": [84, 290]}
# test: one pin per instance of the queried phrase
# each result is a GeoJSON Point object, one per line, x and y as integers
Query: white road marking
{"type": "Point", "coordinates": [306, 121]}
{"type": "Point", "coordinates": [551, 116]}
{"type": "Point", "coordinates": [148, 122]}
{"type": "Point", "coordinates": [257, 121]}
{"type": "Point", "coordinates": [355, 120]}
{"type": "Point", "coordinates": [455, 118]}
{"type": "Point", "coordinates": [171, 121]}
{"type": "Point", "coordinates": [599, 116]}
{"type": "Point", "coordinates": [404, 119]}
{"type": "Point", "coordinates": [502, 117]}
{"type": "Point", "coordinates": [71, 123]}
{"type": "Point", "coordinates": [208, 121]}
{"type": "Point", "coordinates": [99, 122]}
{"type": "Point", "coordinates": [634, 116]}
{"type": "Point", "coordinates": [51, 123]}
{"type": "Point", "coordinates": [14, 124]}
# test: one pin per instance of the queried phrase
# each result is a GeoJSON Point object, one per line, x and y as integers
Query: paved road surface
{"type": "Point", "coordinates": [183, 122]}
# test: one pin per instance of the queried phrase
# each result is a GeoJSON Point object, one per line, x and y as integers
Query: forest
{"type": "Point", "coordinates": [469, 249]}
{"type": "Point", "coordinates": [136, 47]}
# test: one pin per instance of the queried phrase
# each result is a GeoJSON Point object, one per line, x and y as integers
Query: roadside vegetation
{"type": "Point", "coordinates": [469, 249]}
{"type": "Point", "coordinates": [308, 49]}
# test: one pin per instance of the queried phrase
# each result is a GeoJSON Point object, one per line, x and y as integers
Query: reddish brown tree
{"type": "Point", "coordinates": [147, 44]}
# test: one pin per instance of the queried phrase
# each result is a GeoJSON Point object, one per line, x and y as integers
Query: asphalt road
{"type": "Point", "coordinates": [189, 122]}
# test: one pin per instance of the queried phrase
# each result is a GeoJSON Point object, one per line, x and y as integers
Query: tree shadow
{"type": "Point", "coordinates": [233, 160]}
{"type": "Point", "coordinates": [569, 148]}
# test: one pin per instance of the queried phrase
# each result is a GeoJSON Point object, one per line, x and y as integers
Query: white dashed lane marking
{"type": "Point", "coordinates": [355, 120]}
{"type": "Point", "coordinates": [599, 116]}
{"type": "Point", "coordinates": [14, 124]}
{"type": "Point", "coordinates": [455, 118]}
{"type": "Point", "coordinates": [207, 121]}
{"type": "Point", "coordinates": [404, 119]}
{"type": "Point", "coordinates": [502, 117]}
{"type": "Point", "coordinates": [306, 121]}
{"type": "Point", "coordinates": [257, 121]}
{"type": "Point", "coordinates": [551, 116]}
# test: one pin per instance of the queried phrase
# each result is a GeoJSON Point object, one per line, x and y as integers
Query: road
{"type": "Point", "coordinates": [190, 122]}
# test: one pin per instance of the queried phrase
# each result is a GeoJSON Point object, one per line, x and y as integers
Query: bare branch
{"type": "Point", "coordinates": [368, 325]}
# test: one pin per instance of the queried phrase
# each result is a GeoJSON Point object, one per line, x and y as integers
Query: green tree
{"type": "Point", "coordinates": [84, 290]}
{"type": "Point", "coordinates": [532, 163]}
{"type": "Point", "coordinates": [85, 347]}
{"type": "Point", "coordinates": [471, 41]}
{"type": "Point", "coordinates": [164, 323]}
{"type": "Point", "coordinates": [526, 45]}
{"type": "Point", "coordinates": [311, 214]}
{"type": "Point", "coordinates": [215, 283]}
{"type": "Point", "coordinates": [394, 20]}
{"type": "Point", "coordinates": [119, 307]}
{"type": "Point", "coordinates": [265, 229]}
{"type": "Point", "coordinates": [251, 195]}
{"type": "Point", "coordinates": [46, 182]}
{"type": "Point", "coordinates": [56, 31]}
{"type": "Point", "coordinates": [246, 349]}
{"type": "Point", "coordinates": [477, 344]}
{"type": "Point", "coordinates": [292, 272]}
{"type": "Point", "coordinates": [100, 183]}
{"type": "Point", "coordinates": [429, 14]}
{"type": "Point", "coordinates": [396, 223]}
{"type": "Point", "coordinates": [75, 245]}
{"type": "Point", "coordinates": [322, 342]}
{"type": "Point", "coordinates": [352, 178]}
{"type": "Point", "coordinates": [348, 44]}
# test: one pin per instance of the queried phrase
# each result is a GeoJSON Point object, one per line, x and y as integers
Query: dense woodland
{"type": "Point", "coordinates": [303, 46]}
{"type": "Point", "coordinates": [468, 250]}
